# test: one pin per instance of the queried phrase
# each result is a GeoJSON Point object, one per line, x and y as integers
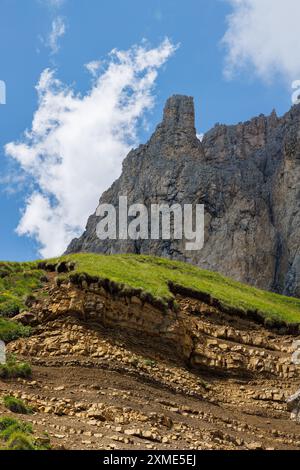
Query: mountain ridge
{"type": "Point", "coordinates": [246, 175]}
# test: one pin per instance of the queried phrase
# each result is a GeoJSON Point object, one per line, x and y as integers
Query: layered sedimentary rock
{"type": "Point", "coordinates": [111, 368]}
{"type": "Point", "coordinates": [247, 176]}
{"type": "Point", "coordinates": [197, 334]}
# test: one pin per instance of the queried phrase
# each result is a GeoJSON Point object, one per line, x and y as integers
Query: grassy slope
{"type": "Point", "coordinates": [17, 280]}
{"type": "Point", "coordinates": [10, 330]}
{"type": "Point", "coordinates": [152, 275]}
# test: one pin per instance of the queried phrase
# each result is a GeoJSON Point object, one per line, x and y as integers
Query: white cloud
{"type": "Point", "coordinates": [93, 67]}
{"type": "Point", "coordinates": [58, 30]}
{"type": "Point", "coordinates": [76, 144]}
{"type": "Point", "coordinates": [13, 182]}
{"type": "Point", "coordinates": [263, 37]}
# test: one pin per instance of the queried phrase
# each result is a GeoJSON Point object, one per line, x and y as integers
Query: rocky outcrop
{"type": "Point", "coordinates": [246, 175]}
{"type": "Point", "coordinates": [198, 334]}
{"type": "Point", "coordinates": [113, 369]}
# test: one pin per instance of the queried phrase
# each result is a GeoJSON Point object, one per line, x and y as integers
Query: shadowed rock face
{"type": "Point", "coordinates": [246, 175]}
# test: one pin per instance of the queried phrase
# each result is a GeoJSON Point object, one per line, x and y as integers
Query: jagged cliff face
{"type": "Point", "coordinates": [247, 176]}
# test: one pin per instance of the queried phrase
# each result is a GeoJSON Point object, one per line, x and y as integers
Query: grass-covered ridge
{"type": "Point", "coordinates": [154, 274]}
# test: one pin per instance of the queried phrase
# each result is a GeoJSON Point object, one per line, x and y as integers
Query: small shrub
{"type": "Point", "coordinates": [10, 426]}
{"type": "Point", "coordinates": [9, 309]}
{"type": "Point", "coordinates": [16, 406]}
{"type": "Point", "coordinates": [17, 282]}
{"type": "Point", "coordinates": [6, 422]}
{"type": "Point", "coordinates": [20, 441]}
{"type": "Point", "coordinates": [11, 330]}
{"type": "Point", "coordinates": [14, 369]}
{"type": "Point", "coordinates": [17, 435]}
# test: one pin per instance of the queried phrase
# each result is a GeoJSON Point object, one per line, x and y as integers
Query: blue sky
{"type": "Point", "coordinates": [91, 29]}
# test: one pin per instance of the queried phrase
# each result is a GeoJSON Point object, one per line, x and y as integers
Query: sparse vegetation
{"type": "Point", "coordinates": [10, 330]}
{"type": "Point", "coordinates": [16, 435]}
{"type": "Point", "coordinates": [17, 282]}
{"type": "Point", "coordinates": [14, 369]}
{"type": "Point", "coordinates": [15, 405]}
{"type": "Point", "coordinates": [9, 425]}
{"type": "Point", "coordinates": [150, 362]}
{"type": "Point", "coordinates": [19, 441]}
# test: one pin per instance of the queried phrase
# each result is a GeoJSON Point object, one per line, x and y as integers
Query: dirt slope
{"type": "Point", "coordinates": [115, 373]}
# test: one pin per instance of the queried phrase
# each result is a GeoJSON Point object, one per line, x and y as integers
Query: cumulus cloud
{"type": "Point", "coordinates": [76, 144]}
{"type": "Point", "coordinates": [93, 67]}
{"type": "Point", "coordinates": [58, 30]}
{"type": "Point", "coordinates": [263, 36]}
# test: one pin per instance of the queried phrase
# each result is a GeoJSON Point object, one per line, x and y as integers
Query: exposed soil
{"type": "Point", "coordinates": [172, 420]}
{"type": "Point", "coordinates": [101, 385]}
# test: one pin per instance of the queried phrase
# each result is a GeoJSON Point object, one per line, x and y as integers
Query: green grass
{"type": "Point", "coordinates": [10, 330]}
{"type": "Point", "coordinates": [14, 369]}
{"type": "Point", "coordinates": [19, 441]}
{"type": "Point", "coordinates": [16, 435]}
{"type": "Point", "coordinates": [15, 405]}
{"type": "Point", "coordinates": [9, 425]}
{"type": "Point", "coordinates": [17, 281]}
{"type": "Point", "coordinates": [153, 274]}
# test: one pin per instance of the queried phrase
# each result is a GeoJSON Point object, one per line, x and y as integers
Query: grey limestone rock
{"type": "Point", "coordinates": [247, 176]}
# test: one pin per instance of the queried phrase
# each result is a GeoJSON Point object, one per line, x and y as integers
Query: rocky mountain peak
{"type": "Point", "coordinates": [179, 114]}
{"type": "Point", "coordinates": [246, 175]}
{"type": "Point", "coordinates": [176, 134]}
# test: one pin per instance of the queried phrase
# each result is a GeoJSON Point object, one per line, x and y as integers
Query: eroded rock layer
{"type": "Point", "coordinates": [200, 335]}
{"type": "Point", "coordinates": [120, 372]}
